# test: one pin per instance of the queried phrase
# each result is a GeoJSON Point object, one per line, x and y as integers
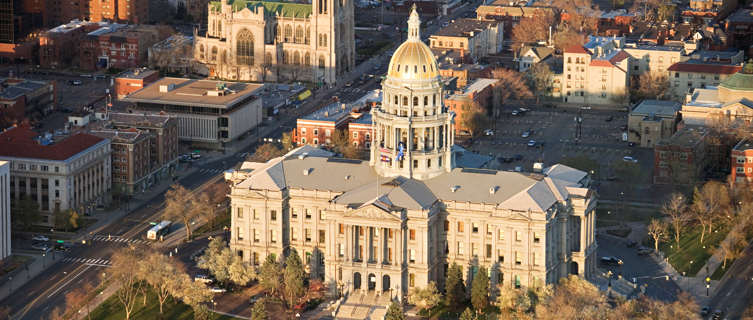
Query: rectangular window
{"type": "Point", "coordinates": [489, 230]}
{"type": "Point", "coordinates": [501, 235]}
{"type": "Point", "coordinates": [517, 235]}
{"type": "Point", "coordinates": [518, 259]}
{"type": "Point", "coordinates": [533, 259]}
{"type": "Point", "coordinates": [307, 213]}
{"type": "Point", "coordinates": [294, 213]}
{"type": "Point", "coordinates": [253, 212]}
{"type": "Point", "coordinates": [341, 228]}
{"type": "Point", "coordinates": [500, 256]}
{"type": "Point", "coordinates": [293, 234]}
{"type": "Point", "coordinates": [536, 238]}
{"type": "Point", "coordinates": [474, 250]}
{"type": "Point", "coordinates": [307, 234]}
{"type": "Point", "coordinates": [273, 236]}
{"type": "Point", "coordinates": [322, 236]}
{"type": "Point", "coordinates": [240, 213]}
{"type": "Point", "coordinates": [412, 233]}
{"type": "Point", "coordinates": [239, 233]}
{"type": "Point", "coordinates": [256, 235]}
{"type": "Point", "coordinates": [273, 215]}
{"type": "Point", "coordinates": [474, 227]}
{"type": "Point", "coordinates": [460, 226]}
{"type": "Point", "coordinates": [488, 251]}
{"type": "Point", "coordinates": [460, 248]}
{"type": "Point", "coordinates": [412, 256]}
{"type": "Point", "coordinates": [341, 249]}
{"type": "Point", "coordinates": [322, 215]}
{"type": "Point", "coordinates": [446, 225]}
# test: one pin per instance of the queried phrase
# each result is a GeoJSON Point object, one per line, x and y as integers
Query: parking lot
{"type": "Point", "coordinates": [556, 135]}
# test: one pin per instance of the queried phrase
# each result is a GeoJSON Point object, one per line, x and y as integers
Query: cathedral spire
{"type": "Point", "coordinates": [414, 25]}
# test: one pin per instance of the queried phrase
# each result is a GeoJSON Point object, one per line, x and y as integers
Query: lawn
{"type": "Point", "coordinates": [223, 219]}
{"type": "Point", "coordinates": [112, 309]}
{"type": "Point", "coordinates": [719, 273]}
{"type": "Point", "coordinates": [692, 250]}
{"type": "Point", "coordinates": [610, 216]}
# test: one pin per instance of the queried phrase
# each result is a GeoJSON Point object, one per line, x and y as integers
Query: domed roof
{"type": "Point", "coordinates": [413, 60]}
{"type": "Point", "coordinates": [742, 80]}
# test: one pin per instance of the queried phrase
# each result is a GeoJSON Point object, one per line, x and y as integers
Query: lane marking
{"type": "Point", "coordinates": [69, 281]}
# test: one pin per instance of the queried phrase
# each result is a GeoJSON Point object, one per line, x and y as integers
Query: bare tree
{"type": "Point", "coordinates": [540, 79]}
{"type": "Point", "coordinates": [534, 28]}
{"type": "Point", "coordinates": [266, 152]}
{"type": "Point", "coordinates": [708, 202]}
{"type": "Point", "coordinates": [180, 205]}
{"type": "Point", "coordinates": [650, 85]}
{"type": "Point", "coordinates": [511, 86]}
{"type": "Point", "coordinates": [126, 277]}
{"type": "Point", "coordinates": [657, 229]}
{"type": "Point", "coordinates": [473, 120]}
{"type": "Point", "coordinates": [574, 298]}
{"type": "Point", "coordinates": [733, 246]}
{"type": "Point", "coordinates": [675, 210]}
{"type": "Point", "coordinates": [565, 37]}
{"type": "Point", "coordinates": [159, 272]}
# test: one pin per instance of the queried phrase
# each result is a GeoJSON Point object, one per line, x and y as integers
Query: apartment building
{"type": "Point", "coordinates": [56, 171]}
{"type": "Point", "coordinates": [163, 135]}
{"type": "Point", "coordinates": [470, 38]}
{"type": "Point", "coordinates": [597, 72]}
{"type": "Point", "coordinates": [120, 46]}
{"type": "Point", "coordinates": [651, 58]}
{"type": "Point", "coordinates": [130, 152]}
{"type": "Point", "coordinates": [681, 159]}
{"type": "Point", "coordinates": [694, 74]}
{"type": "Point", "coordinates": [477, 96]}
{"type": "Point", "coordinates": [5, 222]}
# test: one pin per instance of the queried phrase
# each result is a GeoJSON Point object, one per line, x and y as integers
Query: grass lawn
{"type": "Point", "coordinates": [223, 219]}
{"type": "Point", "coordinates": [692, 250]}
{"type": "Point", "coordinates": [719, 273]}
{"type": "Point", "coordinates": [112, 309]}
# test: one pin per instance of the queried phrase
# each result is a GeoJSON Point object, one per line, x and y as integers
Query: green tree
{"type": "Point", "coordinates": [480, 290]}
{"type": "Point", "coordinates": [425, 298]}
{"type": "Point", "coordinates": [160, 272]}
{"type": "Point", "coordinates": [454, 288]}
{"type": "Point", "coordinates": [394, 312]}
{"type": "Point", "coordinates": [293, 278]}
{"type": "Point", "coordinates": [224, 265]}
{"type": "Point", "coordinates": [467, 315]}
{"type": "Point", "coordinates": [26, 213]}
{"type": "Point", "coordinates": [270, 275]}
{"type": "Point", "coordinates": [259, 310]}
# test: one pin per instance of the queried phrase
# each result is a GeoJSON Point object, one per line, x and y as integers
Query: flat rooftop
{"type": "Point", "coordinates": [15, 88]}
{"type": "Point", "coordinates": [745, 144]}
{"type": "Point", "coordinates": [464, 27]}
{"type": "Point", "coordinates": [687, 137]}
{"type": "Point", "coordinates": [195, 93]}
{"type": "Point", "coordinates": [140, 119]}
{"type": "Point", "coordinates": [657, 107]}
{"type": "Point", "coordinates": [139, 73]}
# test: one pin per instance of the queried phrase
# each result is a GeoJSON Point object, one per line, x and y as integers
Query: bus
{"type": "Point", "coordinates": [158, 230]}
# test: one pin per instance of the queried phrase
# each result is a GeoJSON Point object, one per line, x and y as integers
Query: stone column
{"type": "Point", "coordinates": [348, 243]}
{"type": "Point", "coordinates": [370, 250]}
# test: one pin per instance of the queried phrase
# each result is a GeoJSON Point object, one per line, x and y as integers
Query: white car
{"type": "Point", "coordinates": [629, 159]}
{"type": "Point", "coordinates": [526, 134]}
{"type": "Point", "coordinates": [202, 278]}
{"type": "Point", "coordinates": [40, 237]}
{"type": "Point", "coordinates": [217, 290]}
{"type": "Point", "coordinates": [488, 132]}
{"type": "Point", "coordinates": [532, 143]}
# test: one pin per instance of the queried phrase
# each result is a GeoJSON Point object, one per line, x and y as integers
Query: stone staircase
{"type": "Point", "coordinates": [364, 305]}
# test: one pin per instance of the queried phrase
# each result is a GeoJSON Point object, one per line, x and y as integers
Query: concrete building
{"type": "Point", "coordinates": [471, 38]}
{"type": "Point", "coordinates": [56, 171]}
{"type": "Point", "coordinates": [26, 99]}
{"type": "Point", "coordinates": [120, 46]}
{"type": "Point", "coordinates": [681, 159]}
{"type": "Point", "coordinates": [208, 112]}
{"type": "Point", "coordinates": [653, 121]}
{"type": "Point", "coordinates": [134, 80]}
{"type": "Point", "coordinates": [5, 223]}
{"type": "Point", "coordinates": [478, 96]}
{"type": "Point", "coordinates": [731, 101]}
{"type": "Point", "coordinates": [276, 41]}
{"type": "Point", "coordinates": [398, 221]}
{"type": "Point", "coordinates": [651, 58]}
{"type": "Point", "coordinates": [597, 72]}
{"type": "Point", "coordinates": [693, 74]}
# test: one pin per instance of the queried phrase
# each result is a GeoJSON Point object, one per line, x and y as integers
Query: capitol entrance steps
{"type": "Point", "coordinates": [362, 304]}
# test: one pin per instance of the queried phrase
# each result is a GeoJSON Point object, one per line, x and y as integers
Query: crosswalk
{"type": "Point", "coordinates": [212, 171]}
{"type": "Point", "coordinates": [110, 238]}
{"type": "Point", "coordinates": [88, 261]}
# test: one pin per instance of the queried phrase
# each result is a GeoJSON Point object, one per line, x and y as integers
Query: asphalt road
{"type": "Point", "coordinates": [641, 267]}
{"type": "Point", "coordinates": [735, 293]}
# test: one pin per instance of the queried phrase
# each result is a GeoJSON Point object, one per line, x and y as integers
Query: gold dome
{"type": "Point", "coordinates": [413, 60]}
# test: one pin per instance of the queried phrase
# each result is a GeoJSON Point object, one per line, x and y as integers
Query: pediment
{"type": "Point", "coordinates": [374, 212]}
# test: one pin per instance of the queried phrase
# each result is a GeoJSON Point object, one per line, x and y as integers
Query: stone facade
{"type": "Point", "coordinates": [276, 41]}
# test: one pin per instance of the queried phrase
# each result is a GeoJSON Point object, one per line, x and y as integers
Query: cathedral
{"type": "Point", "coordinates": [277, 41]}
{"type": "Point", "coordinates": [398, 221]}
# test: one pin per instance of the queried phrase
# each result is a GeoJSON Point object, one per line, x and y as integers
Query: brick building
{"type": "Point", "coordinates": [319, 127]}
{"type": "Point", "coordinates": [360, 130]}
{"type": "Point", "coordinates": [163, 135]}
{"type": "Point", "coordinates": [471, 38]}
{"type": "Point", "coordinates": [58, 47]}
{"type": "Point", "coordinates": [476, 96]}
{"type": "Point", "coordinates": [742, 163]}
{"type": "Point", "coordinates": [464, 73]}
{"type": "Point", "coordinates": [681, 159]}
{"type": "Point", "coordinates": [134, 80]}
{"type": "Point", "coordinates": [120, 46]}
{"type": "Point", "coordinates": [130, 158]}
{"type": "Point", "coordinates": [739, 27]}
{"type": "Point", "coordinates": [26, 99]}
{"type": "Point", "coordinates": [500, 10]}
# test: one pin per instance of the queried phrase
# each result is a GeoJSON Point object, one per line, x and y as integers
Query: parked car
{"type": "Point", "coordinates": [629, 159]}
{"type": "Point", "coordinates": [610, 118]}
{"type": "Point", "coordinates": [62, 247]}
{"type": "Point", "coordinates": [66, 110]}
{"type": "Point", "coordinates": [40, 237]}
{"type": "Point", "coordinates": [642, 251]}
{"type": "Point", "coordinates": [705, 311]}
{"type": "Point", "coordinates": [517, 157]}
{"type": "Point", "coordinates": [514, 112]}
{"type": "Point", "coordinates": [611, 261]}
{"type": "Point", "coordinates": [623, 127]}
{"type": "Point", "coordinates": [217, 290]}
{"type": "Point", "coordinates": [718, 313]}
{"type": "Point", "coordinates": [531, 143]}
{"type": "Point", "coordinates": [631, 144]}
{"type": "Point", "coordinates": [488, 132]}
{"type": "Point", "coordinates": [526, 134]}
{"type": "Point", "coordinates": [631, 243]}
{"type": "Point", "coordinates": [40, 246]}
{"type": "Point", "coordinates": [75, 82]}
{"type": "Point", "coordinates": [585, 108]}
{"type": "Point", "coordinates": [505, 159]}
{"type": "Point", "coordinates": [202, 278]}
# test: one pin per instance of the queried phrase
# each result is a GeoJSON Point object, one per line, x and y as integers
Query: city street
{"type": "Point", "coordinates": [735, 291]}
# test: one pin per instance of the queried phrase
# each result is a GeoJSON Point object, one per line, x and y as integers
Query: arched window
{"type": "Point", "coordinates": [288, 33]}
{"type": "Point", "coordinates": [299, 34]}
{"type": "Point", "coordinates": [307, 59]}
{"type": "Point", "coordinates": [286, 57]}
{"type": "Point", "coordinates": [321, 62]}
{"type": "Point", "coordinates": [244, 48]}
{"type": "Point", "coordinates": [296, 58]}
{"type": "Point", "coordinates": [214, 53]}
{"type": "Point", "coordinates": [415, 101]}
{"type": "Point", "coordinates": [279, 33]}
{"type": "Point", "coordinates": [268, 58]}
{"type": "Point", "coordinates": [201, 51]}
{"type": "Point", "coordinates": [308, 35]}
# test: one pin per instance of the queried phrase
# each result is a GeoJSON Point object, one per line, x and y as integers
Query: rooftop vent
{"type": "Point", "coordinates": [307, 171]}
{"type": "Point", "coordinates": [454, 188]}
{"type": "Point", "coordinates": [347, 177]}
{"type": "Point", "coordinates": [303, 155]}
{"type": "Point", "coordinates": [493, 189]}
